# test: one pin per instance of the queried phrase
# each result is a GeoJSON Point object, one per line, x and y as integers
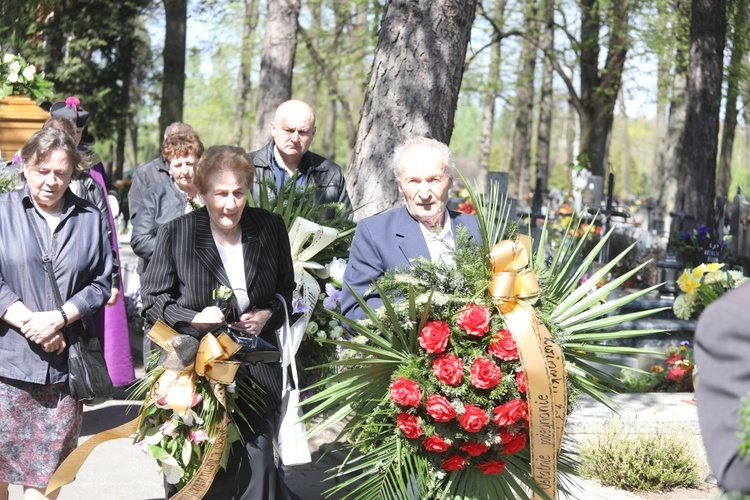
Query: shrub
{"type": "Point", "coordinates": [645, 461]}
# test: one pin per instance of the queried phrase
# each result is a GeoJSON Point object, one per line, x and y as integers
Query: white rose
{"type": "Point", "coordinates": [337, 267]}
{"type": "Point", "coordinates": [321, 334]}
{"type": "Point", "coordinates": [29, 72]}
{"type": "Point", "coordinates": [13, 78]}
{"type": "Point", "coordinates": [336, 334]}
{"type": "Point", "coordinates": [14, 67]}
{"type": "Point", "coordinates": [8, 58]}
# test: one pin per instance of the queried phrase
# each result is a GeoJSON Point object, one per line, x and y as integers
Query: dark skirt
{"type": "Point", "coordinates": [39, 428]}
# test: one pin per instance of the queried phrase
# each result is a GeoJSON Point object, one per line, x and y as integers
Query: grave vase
{"type": "Point", "coordinates": [20, 117]}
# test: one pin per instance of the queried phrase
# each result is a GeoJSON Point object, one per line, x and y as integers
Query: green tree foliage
{"type": "Point", "coordinates": [92, 50]}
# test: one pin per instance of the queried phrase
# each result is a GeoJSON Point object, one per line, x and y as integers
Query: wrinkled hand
{"type": "Point", "coordinates": [42, 326]}
{"type": "Point", "coordinates": [55, 344]}
{"type": "Point", "coordinates": [113, 298]}
{"type": "Point", "coordinates": [211, 314]}
{"type": "Point", "coordinates": [253, 320]}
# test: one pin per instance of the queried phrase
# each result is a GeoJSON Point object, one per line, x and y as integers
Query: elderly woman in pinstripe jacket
{"type": "Point", "coordinates": [227, 243]}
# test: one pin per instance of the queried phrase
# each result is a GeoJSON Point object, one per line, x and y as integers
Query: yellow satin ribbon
{"type": "Point", "coordinates": [511, 282]}
{"type": "Point", "coordinates": [175, 389]}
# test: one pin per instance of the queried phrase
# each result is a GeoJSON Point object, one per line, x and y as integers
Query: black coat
{"type": "Point", "coordinates": [186, 268]}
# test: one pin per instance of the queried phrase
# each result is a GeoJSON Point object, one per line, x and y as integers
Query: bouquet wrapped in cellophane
{"type": "Point", "coordinates": [459, 386]}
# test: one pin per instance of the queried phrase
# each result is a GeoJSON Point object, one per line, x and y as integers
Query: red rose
{"type": "Point", "coordinates": [503, 346]}
{"type": "Point", "coordinates": [409, 425]}
{"type": "Point", "coordinates": [439, 408]}
{"type": "Point", "coordinates": [473, 418]}
{"type": "Point", "coordinates": [676, 373]}
{"type": "Point", "coordinates": [513, 442]}
{"type": "Point", "coordinates": [405, 392]}
{"type": "Point", "coordinates": [448, 369]}
{"type": "Point", "coordinates": [510, 413]}
{"type": "Point", "coordinates": [485, 374]}
{"type": "Point", "coordinates": [473, 449]}
{"type": "Point", "coordinates": [492, 467]}
{"type": "Point", "coordinates": [521, 381]}
{"type": "Point", "coordinates": [436, 443]}
{"type": "Point", "coordinates": [453, 462]}
{"type": "Point", "coordinates": [434, 336]}
{"type": "Point", "coordinates": [474, 320]}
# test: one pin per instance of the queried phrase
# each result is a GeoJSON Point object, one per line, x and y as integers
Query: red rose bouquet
{"type": "Point", "coordinates": [437, 383]}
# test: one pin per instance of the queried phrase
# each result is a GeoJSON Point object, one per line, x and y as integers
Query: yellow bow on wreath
{"type": "Point", "coordinates": [511, 283]}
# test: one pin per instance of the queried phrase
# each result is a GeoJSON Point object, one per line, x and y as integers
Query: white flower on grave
{"type": "Point", "coordinates": [321, 334]}
{"type": "Point", "coordinates": [311, 327]}
{"type": "Point", "coordinates": [337, 267]}
{"type": "Point", "coordinates": [14, 67]}
{"type": "Point", "coordinates": [683, 306]}
{"type": "Point", "coordinates": [737, 277]}
{"type": "Point", "coordinates": [13, 78]}
{"type": "Point", "coordinates": [8, 58]}
{"type": "Point", "coordinates": [713, 277]}
{"type": "Point", "coordinates": [29, 72]}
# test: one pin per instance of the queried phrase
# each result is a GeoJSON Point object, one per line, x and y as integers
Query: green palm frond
{"type": "Point", "coordinates": [368, 375]}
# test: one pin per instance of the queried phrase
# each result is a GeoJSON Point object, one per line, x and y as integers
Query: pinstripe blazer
{"type": "Point", "coordinates": [186, 267]}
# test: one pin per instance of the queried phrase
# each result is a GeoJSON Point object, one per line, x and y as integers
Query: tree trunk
{"type": "Point", "coordinates": [625, 147]}
{"type": "Point", "coordinates": [242, 123]}
{"type": "Point", "coordinates": [571, 139]}
{"type": "Point", "coordinates": [312, 75]}
{"type": "Point", "coordinates": [173, 86]}
{"type": "Point", "coordinates": [413, 90]}
{"type": "Point", "coordinates": [276, 63]}
{"type": "Point", "coordinates": [518, 182]}
{"type": "Point", "coordinates": [697, 167]}
{"type": "Point", "coordinates": [329, 131]}
{"type": "Point", "coordinates": [544, 134]}
{"type": "Point", "coordinates": [672, 151]}
{"type": "Point", "coordinates": [657, 172]}
{"type": "Point", "coordinates": [599, 88]}
{"type": "Point", "coordinates": [746, 114]}
{"type": "Point", "coordinates": [739, 41]}
{"type": "Point", "coordinates": [491, 91]}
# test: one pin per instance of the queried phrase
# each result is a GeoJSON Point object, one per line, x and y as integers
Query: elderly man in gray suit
{"type": "Point", "coordinates": [423, 227]}
{"type": "Point", "coordinates": [722, 353]}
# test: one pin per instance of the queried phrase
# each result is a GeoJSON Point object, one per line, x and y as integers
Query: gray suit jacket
{"type": "Point", "coordinates": [387, 241]}
{"type": "Point", "coordinates": [162, 203]}
{"type": "Point", "coordinates": [722, 355]}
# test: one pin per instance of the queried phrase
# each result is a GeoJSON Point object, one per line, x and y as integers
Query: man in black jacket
{"type": "Point", "coordinates": [293, 129]}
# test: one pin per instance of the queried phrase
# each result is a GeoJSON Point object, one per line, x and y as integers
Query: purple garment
{"type": "Point", "coordinates": [111, 325]}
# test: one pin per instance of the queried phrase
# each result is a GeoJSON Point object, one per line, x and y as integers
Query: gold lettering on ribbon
{"type": "Point", "coordinates": [176, 388]}
{"type": "Point", "coordinates": [513, 281]}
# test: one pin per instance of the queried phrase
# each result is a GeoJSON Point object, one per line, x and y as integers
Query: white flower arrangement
{"type": "Point", "coordinates": [18, 77]}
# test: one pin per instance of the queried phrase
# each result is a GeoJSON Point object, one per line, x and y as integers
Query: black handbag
{"type": "Point", "coordinates": [88, 378]}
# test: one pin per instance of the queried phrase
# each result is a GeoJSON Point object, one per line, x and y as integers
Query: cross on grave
{"type": "Point", "coordinates": [739, 221]}
{"type": "Point", "coordinates": [680, 215]}
{"type": "Point", "coordinates": [609, 211]}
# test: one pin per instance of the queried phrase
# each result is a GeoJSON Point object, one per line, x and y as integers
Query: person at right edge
{"type": "Point", "coordinates": [722, 345]}
{"type": "Point", "coordinates": [226, 243]}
